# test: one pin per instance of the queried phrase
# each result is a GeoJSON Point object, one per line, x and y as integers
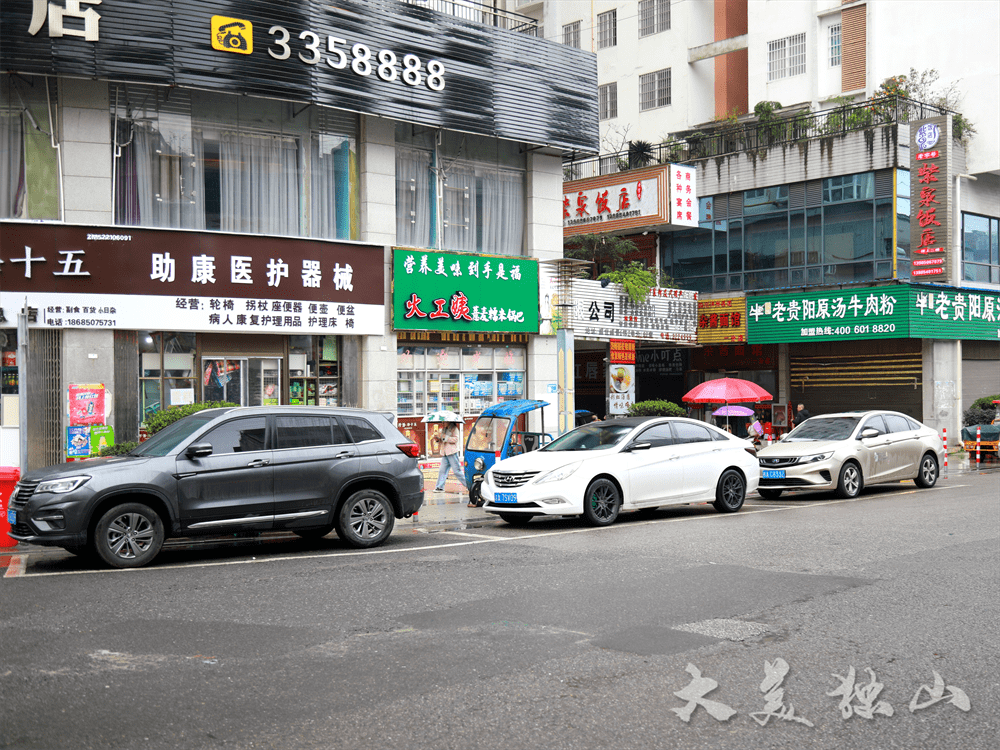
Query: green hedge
{"type": "Point", "coordinates": [986, 402]}
{"type": "Point", "coordinates": [119, 449]}
{"type": "Point", "coordinates": [158, 420]}
{"type": "Point", "coordinates": [656, 409]}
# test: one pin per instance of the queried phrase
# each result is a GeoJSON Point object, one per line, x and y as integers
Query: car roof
{"type": "Point", "coordinates": [860, 413]}
{"type": "Point", "coordinates": [512, 408]}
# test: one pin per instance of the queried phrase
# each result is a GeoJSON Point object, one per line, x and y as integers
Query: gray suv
{"type": "Point", "coordinates": [307, 470]}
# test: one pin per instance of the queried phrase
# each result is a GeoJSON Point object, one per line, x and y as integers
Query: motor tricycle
{"type": "Point", "coordinates": [495, 435]}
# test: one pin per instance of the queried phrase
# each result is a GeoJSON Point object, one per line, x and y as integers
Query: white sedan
{"type": "Point", "coordinates": [628, 464]}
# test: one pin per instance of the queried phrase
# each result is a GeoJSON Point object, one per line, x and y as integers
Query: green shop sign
{"type": "Point", "coordinates": [884, 312]}
{"type": "Point", "coordinates": [433, 291]}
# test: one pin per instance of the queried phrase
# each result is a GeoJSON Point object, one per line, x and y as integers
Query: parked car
{"type": "Point", "coordinates": [846, 451]}
{"type": "Point", "coordinates": [307, 470]}
{"type": "Point", "coordinates": [627, 464]}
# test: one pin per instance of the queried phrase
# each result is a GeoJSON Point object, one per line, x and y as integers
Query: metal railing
{"type": "Point", "coordinates": [480, 13]}
{"type": "Point", "coordinates": [757, 135]}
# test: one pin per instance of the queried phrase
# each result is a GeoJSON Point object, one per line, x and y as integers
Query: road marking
{"type": "Point", "coordinates": [478, 539]}
{"type": "Point", "coordinates": [16, 566]}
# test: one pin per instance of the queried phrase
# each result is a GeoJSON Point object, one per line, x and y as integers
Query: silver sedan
{"type": "Point", "coordinates": [844, 452]}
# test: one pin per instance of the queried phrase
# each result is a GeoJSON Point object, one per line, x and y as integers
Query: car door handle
{"type": "Point", "coordinates": [258, 462]}
{"type": "Point", "coordinates": [344, 454]}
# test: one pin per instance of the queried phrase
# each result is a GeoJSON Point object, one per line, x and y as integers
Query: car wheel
{"type": "Point", "coordinates": [128, 535]}
{"type": "Point", "coordinates": [927, 476]}
{"type": "Point", "coordinates": [769, 494]}
{"type": "Point", "coordinates": [851, 481]}
{"type": "Point", "coordinates": [366, 519]}
{"type": "Point", "coordinates": [315, 533]}
{"type": "Point", "coordinates": [730, 492]}
{"type": "Point", "coordinates": [601, 503]}
{"type": "Point", "coordinates": [516, 519]}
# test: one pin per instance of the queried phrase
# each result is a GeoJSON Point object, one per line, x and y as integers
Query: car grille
{"type": "Point", "coordinates": [22, 493]}
{"type": "Point", "coordinates": [22, 529]}
{"type": "Point", "coordinates": [790, 482]}
{"type": "Point", "coordinates": [771, 463]}
{"type": "Point", "coordinates": [512, 479]}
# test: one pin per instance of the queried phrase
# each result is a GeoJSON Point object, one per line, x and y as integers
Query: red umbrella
{"type": "Point", "coordinates": [727, 391]}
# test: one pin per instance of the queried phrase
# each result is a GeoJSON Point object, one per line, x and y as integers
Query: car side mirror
{"type": "Point", "coordinates": [869, 432]}
{"type": "Point", "coordinates": [640, 446]}
{"type": "Point", "coordinates": [199, 450]}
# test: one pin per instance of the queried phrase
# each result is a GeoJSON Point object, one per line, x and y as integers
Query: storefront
{"type": "Point", "coordinates": [889, 347]}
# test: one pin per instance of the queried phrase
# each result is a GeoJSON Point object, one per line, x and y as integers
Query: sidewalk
{"type": "Point", "coordinates": [448, 508]}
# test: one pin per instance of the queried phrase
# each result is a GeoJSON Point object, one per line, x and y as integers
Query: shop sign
{"type": "Point", "coordinates": [615, 204]}
{"type": "Point", "coordinates": [930, 147]}
{"type": "Point", "coordinates": [683, 196]}
{"type": "Point", "coordinates": [134, 279]}
{"type": "Point", "coordinates": [892, 312]}
{"type": "Point", "coordinates": [622, 352]}
{"type": "Point", "coordinates": [722, 320]}
{"type": "Point", "coordinates": [604, 313]}
{"type": "Point", "coordinates": [621, 392]}
{"type": "Point", "coordinates": [661, 362]}
{"type": "Point", "coordinates": [463, 292]}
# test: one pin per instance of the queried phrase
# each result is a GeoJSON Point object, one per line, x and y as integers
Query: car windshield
{"type": "Point", "coordinates": [823, 428]}
{"type": "Point", "coordinates": [173, 435]}
{"type": "Point", "coordinates": [591, 437]}
{"type": "Point", "coordinates": [488, 434]}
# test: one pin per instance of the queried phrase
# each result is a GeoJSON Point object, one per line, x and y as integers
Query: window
{"type": "Point", "coordinates": [657, 436]}
{"type": "Point", "coordinates": [607, 29]}
{"type": "Point", "coordinates": [29, 188]}
{"type": "Point", "coordinates": [361, 429]}
{"type": "Point", "coordinates": [874, 423]}
{"type": "Point", "coordinates": [835, 45]}
{"type": "Point", "coordinates": [189, 159]}
{"type": "Point", "coordinates": [851, 187]}
{"type": "Point", "coordinates": [654, 90]}
{"type": "Point", "coordinates": [654, 17]}
{"type": "Point", "coordinates": [571, 34]}
{"type": "Point", "coordinates": [691, 433]}
{"type": "Point", "coordinates": [607, 101]}
{"type": "Point", "coordinates": [238, 436]}
{"type": "Point", "coordinates": [897, 423]}
{"type": "Point", "coordinates": [302, 432]}
{"type": "Point", "coordinates": [786, 57]}
{"type": "Point", "coordinates": [980, 249]}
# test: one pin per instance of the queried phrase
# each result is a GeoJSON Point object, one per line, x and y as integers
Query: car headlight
{"type": "Point", "coordinates": [61, 486]}
{"type": "Point", "coordinates": [559, 474]}
{"type": "Point", "coordinates": [815, 457]}
{"type": "Point", "coordinates": [479, 463]}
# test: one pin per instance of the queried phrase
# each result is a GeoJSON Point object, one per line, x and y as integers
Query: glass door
{"type": "Point", "coordinates": [251, 381]}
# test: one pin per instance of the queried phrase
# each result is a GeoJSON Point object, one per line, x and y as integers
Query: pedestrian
{"type": "Point", "coordinates": [449, 456]}
{"type": "Point", "coordinates": [801, 415]}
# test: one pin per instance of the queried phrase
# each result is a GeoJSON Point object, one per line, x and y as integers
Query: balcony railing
{"type": "Point", "coordinates": [754, 136]}
{"type": "Point", "coordinates": [485, 14]}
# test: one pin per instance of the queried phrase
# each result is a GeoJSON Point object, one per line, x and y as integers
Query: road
{"type": "Point", "coordinates": [804, 622]}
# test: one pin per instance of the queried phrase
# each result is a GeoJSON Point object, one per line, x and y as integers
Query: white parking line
{"type": "Point", "coordinates": [16, 567]}
{"type": "Point", "coordinates": [479, 539]}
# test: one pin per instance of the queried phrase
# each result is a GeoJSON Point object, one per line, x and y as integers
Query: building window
{"type": "Point", "coordinates": [654, 17]}
{"type": "Point", "coordinates": [786, 57]}
{"type": "Point", "coordinates": [607, 29]}
{"type": "Point", "coordinates": [835, 45]}
{"type": "Point", "coordinates": [29, 188]}
{"type": "Point", "coordinates": [849, 187]}
{"type": "Point", "coordinates": [654, 90]}
{"type": "Point", "coordinates": [571, 34]}
{"type": "Point", "coordinates": [464, 193]}
{"type": "Point", "coordinates": [980, 249]}
{"type": "Point", "coordinates": [607, 99]}
{"type": "Point", "coordinates": [189, 159]}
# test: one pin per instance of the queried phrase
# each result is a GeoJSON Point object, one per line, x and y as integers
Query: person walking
{"type": "Point", "coordinates": [449, 456]}
{"type": "Point", "coordinates": [801, 415]}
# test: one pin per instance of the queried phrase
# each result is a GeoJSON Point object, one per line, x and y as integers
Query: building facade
{"type": "Point", "coordinates": [209, 210]}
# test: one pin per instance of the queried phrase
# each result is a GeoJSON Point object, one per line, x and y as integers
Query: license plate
{"type": "Point", "coordinates": [773, 473]}
{"type": "Point", "coordinates": [505, 497]}
{"type": "Point", "coordinates": [12, 518]}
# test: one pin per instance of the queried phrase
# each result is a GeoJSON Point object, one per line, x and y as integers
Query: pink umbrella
{"type": "Point", "coordinates": [727, 391]}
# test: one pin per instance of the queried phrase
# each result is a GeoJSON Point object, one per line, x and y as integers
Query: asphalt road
{"type": "Point", "coordinates": [687, 629]}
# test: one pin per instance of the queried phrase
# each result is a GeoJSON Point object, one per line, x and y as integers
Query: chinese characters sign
{"type": "Point", "coordinates": [900, 311]}
{"type": "Point", "coordinates": [615, 202]}
{"type": "Point", "coordinates": [722, 320]}
{"type": "Point", "coordinates": [683, 196]}
{"type": "Point", "coordinates": [621, 391]}
{"type": "Point", "coordinates": [930, 229]}
{"type": "Point", "coordinates": [463, 292]}
{"type": "Point", "coordinates": [622, 352]}
{"type": "Point", "coordinates": [603, 313]}
{"type": "Point", "coordinates": [88, 277]}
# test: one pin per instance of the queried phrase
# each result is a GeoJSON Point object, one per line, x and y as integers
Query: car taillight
{"type": "Point", "coordinates": [410, 449]}
{"type": "Point", "coordinates": [751, 450]}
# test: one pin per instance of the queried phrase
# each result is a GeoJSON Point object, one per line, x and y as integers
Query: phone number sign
{"type": "Point", "coordinates": [886, 312]}
{"type": "Point", "coordinates": [437, 291]}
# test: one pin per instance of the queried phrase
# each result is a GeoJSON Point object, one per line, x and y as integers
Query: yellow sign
{"type": "Point", "coordinates": [232, 35]}
{"type": "Point", "coordinates": [722, 321]}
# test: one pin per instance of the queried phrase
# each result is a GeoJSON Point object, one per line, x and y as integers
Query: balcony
{"type": "Point", "coordinates": [484, 14]}
{"type": "Point", "coordinates": [721, 140]}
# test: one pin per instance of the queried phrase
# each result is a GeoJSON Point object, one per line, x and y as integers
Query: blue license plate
{"type": "Point", "coordinates": [11, 517]}
{"type": "Point", "coordinates": [773, 473]}
{"type": "Point", "coordinates": [505, 497]}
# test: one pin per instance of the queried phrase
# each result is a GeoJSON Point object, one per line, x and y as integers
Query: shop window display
{"type": "Point", "coordinates": [313, 370]}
